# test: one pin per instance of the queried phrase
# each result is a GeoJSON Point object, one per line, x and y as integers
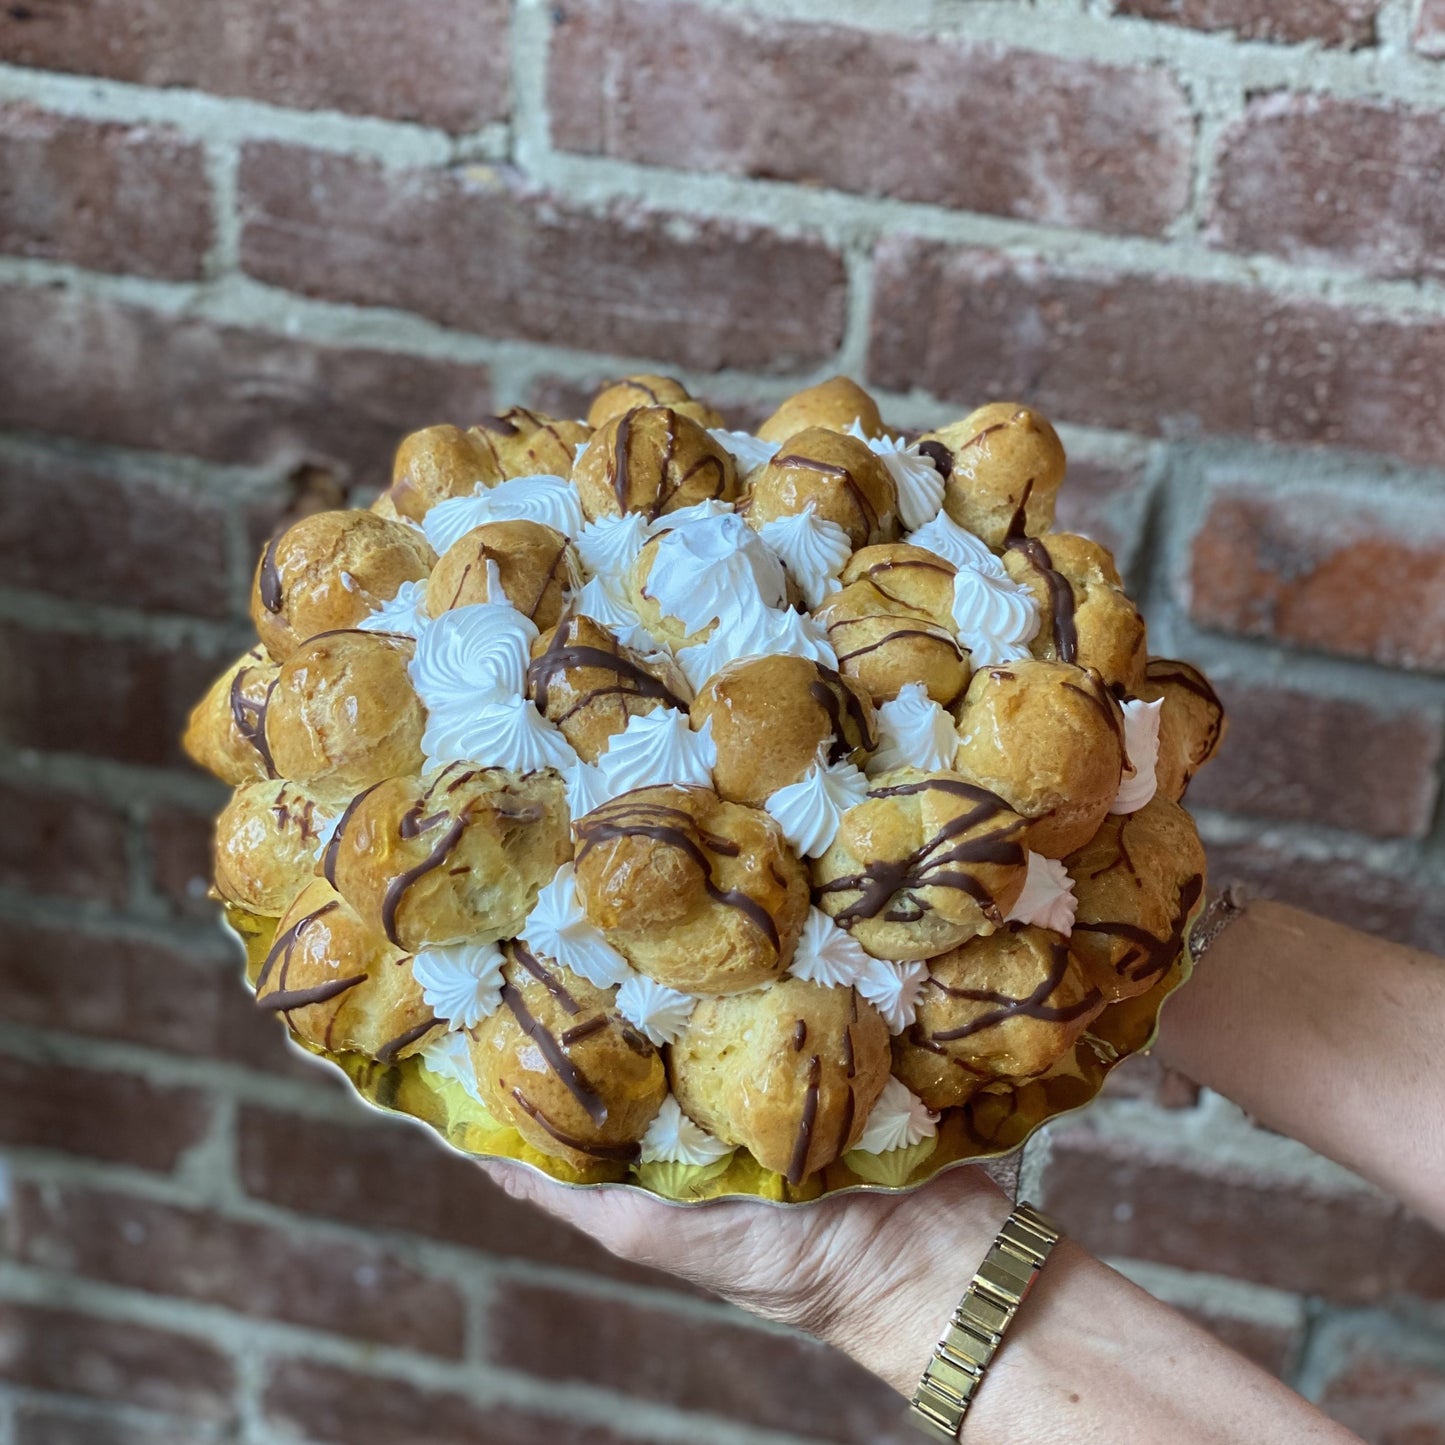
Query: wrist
{"type": "Point", "coordinates": [889, 1308]}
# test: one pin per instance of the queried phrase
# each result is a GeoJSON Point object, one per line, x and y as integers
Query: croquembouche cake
{"type": "Point", "coordinates": [665, 803]}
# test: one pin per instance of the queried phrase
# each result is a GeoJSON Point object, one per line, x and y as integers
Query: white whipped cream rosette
{"type": "Point", "coordinates": [1047, 900]}
{"type": "Point", "coordinates": [810, 810]}
{"type": "Point", "coordinates": [761, 632]}
{"type": "Point", "coordinates": [1141, 747]}
{"type": "Point", "coordinates": [827, 954]}
{"type": "Point", "coordinates": [405, 614]}
{"type": "Point", "coordinates": [609, 546]}
{"type": "Point", "coordinates": [892, 988]}
{"type": "Point", "coordinates": [660, 1012]}
{"type": "Point", "coordinates": [914, 732]}
{"type": "Point", "coordinates": [812, 548]}
{"type": "Point", "coordinates": [920, 487]}
{"type": "Point", "coordinates": [461, 983]}
{"type": "Point", "coordinates": [713, 569]}
{"type": "Point", "coordinates": [557, 928]}
{"type": "Point", "coordinates": [748, 451]}
{"type": "Point", "coordinates": [657, 747]}
{"type": "Point", "coordinates": [996, 617]}
{"type": "Point", "coordinates": [449, 1057]}
{"type": "Point", "coordinates": [553, 501]}
{"type": "Point", "coordinates": [945, 538]}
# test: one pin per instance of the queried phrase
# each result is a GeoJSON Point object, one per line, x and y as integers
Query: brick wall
{"type": "Point", "coordinates": [243, 247]}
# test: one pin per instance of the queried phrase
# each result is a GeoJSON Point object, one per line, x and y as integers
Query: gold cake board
{"type": "Point", "coordinates": [991, 1127]}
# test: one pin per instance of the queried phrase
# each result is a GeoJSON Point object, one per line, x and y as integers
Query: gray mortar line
{"type": "Point", "coordinates": [1214, 1294]}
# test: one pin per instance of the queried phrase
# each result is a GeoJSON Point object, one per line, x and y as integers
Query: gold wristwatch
{"type": "Point", "coordinates": [956, 1367]}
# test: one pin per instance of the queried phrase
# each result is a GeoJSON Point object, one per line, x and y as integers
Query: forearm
{"type": "Point", "coordinates": [1327, 1035]}
{"type": "Point", "coordinates": [1090, 1358]}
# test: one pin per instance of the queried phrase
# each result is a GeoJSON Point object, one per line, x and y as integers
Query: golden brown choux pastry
{"type": "Point", "coordinates": [835, 404]}
{"type": "Point", "coordinates": [913, 578]}
{"type": "Point", "coordinates": [1136, 880]}
{"type": "Point", "coordinates": [837, 475]}
{"type": "Point", "coordinates": [791, 1072]}
{"type": "Point", "coordinates": [1084, 615]}
{"type": "Point", "coordinates": [1003, 1007]}
{"type": "Point", "coordinates": [339, 985]}
{"type": "Point", "coordinates": [884, 644]}
{"type": "Point", "coordinates": [328, 571]}
{"type": "Point", "coordinates": [646, 390]}
{"type": "Point", "coordinates": [1002, 466]}
{"type": "Point", "coordinates": [1192, 722]}
{"type": "Point", "coordinates": [526, 443]}
{"type": "Point", "coordinates": [588, 683]}
{"type": "Point", "coordinates": [653, 460]}
{"type": "Point", "coordinates": [702, 895]}
{"type": "Point", "coordinates": [344, 715]}
{"type": "Point", "coordinates": [535, 566]}
{"type": "Point", "coordinates": [558, 1063]}
{"type": "Point", "coordinates": [1049, 738]}
{"type": "Point", "coordinates": [434, 464]}
{"type": "Point", "coordinates": [456, 856]}
{"type": "Point", "coordinates": [226, 733]}
{"type": "Point", "coordinates": [770, 716]}
{"type": "Point", "coordinates": [927, 861]}
{"type": "Point", "coordinates": [266, 843]}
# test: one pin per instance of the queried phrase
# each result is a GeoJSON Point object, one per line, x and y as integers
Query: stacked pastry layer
{"type": "Point", "coordinates": [674, 790]}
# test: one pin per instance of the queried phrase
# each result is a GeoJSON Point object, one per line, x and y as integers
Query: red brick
{"type": "Point", "coordinates": [335, 1407]}
{"type": "Point", "coordinates": [1389, 1398]}
{"type": "Point", "coordinates": [72, 844]}
{"type": "Point", "coordinates": [135, 990]}
{"type": "Point", "coordinates": [180, 850]}
{"type": "Point", "coordinates": [776, 1382]}
{"type": "Point", "coordinates": [1272, 1347]}
{"type": "Point", "coordinates": [1314, 569]}
{"type": "Point", "coordinates": [98, 1113]}
{"type": "Point", "coordinates": [275, 1274]}
{"type": "Point", "coordinates": [46, 1425]}
{"type": "Point", "coordinates": [441, 62]}
{"type": "Point", "coordinates": [102, 532]}
{"type": "Point", "coordinates": [1337, 761]}
{"type": "Point", "coordinates": [354, 1174]}
{"type": "Point", "coordinates": [478, 249]}
{"type": "Point", "coordinates": [1323, 181]}
{"type": "Point", "coordinates": [1104, 147]}
{"type": "Point", "coordinates": [112, 697]}
{"type": "Point", "coordinates": [1351, 1247]}
{"type": "Point", "coordinates": [111, 197]}
{"type": "Point", "coordinates": [1349, 24]}
{"type": "Point", "coordinates": [100, 371]}
{"type": "Point", "coordinates": [1108, 502]}
{"type": "Point", "coordinates": [1142, 1076]}
{"type": "Point", "coordinates": [1430, 29]}
{"type": "Point", "coordinates": [62, 1351]}
{"type": "Point", "coordinates": [1404, 906]}
{"type": "Point", "coordinates": [1151, 354]}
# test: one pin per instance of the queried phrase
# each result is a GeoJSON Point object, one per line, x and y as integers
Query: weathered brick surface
{"type": "Point", "coordinates": [182, 999]}
{"type": "Point", "coordinates": [442, 62]}
{"type": "Point", "coordinates": [1430, 28]}
{"type": "Point", "coordinates": [1272, 1347]}
{"type": "Point", "coordinates": [1337, 761]}
{"type": "Point", "coordinates": [98, 1113]}
{"type": "Point", "coordinates": [111, 534]}
{"type": "Point", "coordinates": [61, 1424]}
{"type": "Point", "coordinates": [1391, 902]}
{"type": "Point", "coordinates": [1351, 1247]}
{"type": "Point", "coordinates": [1321, 181]}
{"type": "Point", "coordinates": [1313, 569]}
{"type": "Point", "coordinates": [333, 1406]}
{"type": "Point", "coordinates": [102, 371]}
{"type": "Point", "coordinates": [1155, 354]}
{"type": "Point", "coordinates": [110, 197]}
{"type": "Point", "coordinates": [478, 250]}
{"type": "Point", "coordinates": [1345, 23]}
{"type": "Point", "coordinates": [396, 1178]}
{"type": "Point", "coordinates": [124, 699]}
{"type": "Point", "coordinates": [179, 845]}
{"type": "Point", "coordinates": [1105, 147]}
{"type": "Point", "coordinates": [1389, 1399]}
{"type": "Point", "coordinates": [71, 844]}
{"type": "Point", "coordinates": [1107, 502]}
{"type": "Point", "coordinates": [777, 1382]}
{"type": "Point", "coordinates": [1142, 1076]}
{"type": "Point", "coordinates": [62, 1350]}
{"type": "Point", "coordinates": [349, 1289]}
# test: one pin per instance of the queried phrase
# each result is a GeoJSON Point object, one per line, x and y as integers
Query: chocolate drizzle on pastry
{"type": "Point", "coordinates": [1061, 595]}
{"type": "Point", "coordinates": [285, 943]}
{"type": "Point", "coordinates": [621, 1153]}
{"type": "Point", "coordinates": [546, 978]}
{"type": "Point", "coordinates": [555, 1053]}
{"type": "Point", "coordinates": [564, 653]}
{"type": "Point", "coordinates": [835, 697]}
{"type": "Point", "coordinates": [866, 509]}
{"type": "Point", "coordinates": [270, 576]}
{"type": "Point", "coordinates": [630, 819]}
{"type": "Point", "coordinates": [396, 889]}
{"type": "Point", "coordinates": [940, 456]}
{"type": "Point", "coordinates": [798, 1164]}
{"type": "Point", "coordinates": [1149, 955]}
{"type": "Point", "coordinates": [249, 717]}
{"type": "Point", "coordinates": [283, 1000]}
{"type": "Point", "coordinates": [333, 848]}
{"type": "Point", "coordinates": [388, 1052]}
{"type": "Point", "coordinates": [1005, 1007]}
{"type": "Point", "coordinates": [939, 862]}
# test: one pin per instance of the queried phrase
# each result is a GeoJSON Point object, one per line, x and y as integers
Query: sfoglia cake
{"type": "Point", "coordinates": [713, 811]}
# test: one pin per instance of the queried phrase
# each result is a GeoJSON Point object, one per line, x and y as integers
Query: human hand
{"type": "Point", "coordinates": [873, 1275]}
